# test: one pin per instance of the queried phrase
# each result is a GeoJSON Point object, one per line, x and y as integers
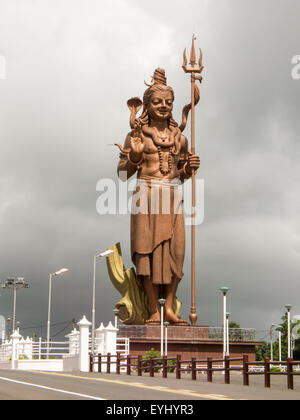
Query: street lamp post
{"type": "Point", "coordinates": [7, 327]}
{"type": "Point", "coordinates": [162, 304]}
{"type": "Point", "coordinates": [166, 337]}
{"type": "Point", "coordinates": [227, 333]}
{"type": "Point", "coordinates": [15, 284]}
{"type": "Point", "coordinates": [279, 345]}
{"type": "Point", "coordinates": [288, 307]}
{"type": "Point", "coordinates": [57, 273]}
{"type": "Point", "coordinates": [224, 290]}
{"type": "Point", "coordinates": [106, 253]}
{"type": "Point", "coordinates": [2, 329]}
{"type": "Point", "coordinates": [116, 312]}
{"type": "Point", "coordinates": [271, 340]}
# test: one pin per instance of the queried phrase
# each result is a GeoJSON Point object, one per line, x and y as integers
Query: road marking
{"type": "Point", "coordinates": [153, 388]}
{"type": "Point", "coordinates": [52, 389]}
{"type": "Point", "coordinates": [137, 383]}
{"type": "Point", "coordinates": [188, 390]}
{"type": "Point", "coordinates": [218, 395]}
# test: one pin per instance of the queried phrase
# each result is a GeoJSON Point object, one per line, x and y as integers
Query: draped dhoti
{"type": "Point", "coordinates": [157, 230]}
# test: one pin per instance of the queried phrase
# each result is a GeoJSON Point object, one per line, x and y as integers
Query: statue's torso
{"type": "Point", "coordinates": [159, 161]}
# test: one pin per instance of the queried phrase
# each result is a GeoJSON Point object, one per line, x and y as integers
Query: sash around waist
{"type": "Point", "coordinates": [158, 182]}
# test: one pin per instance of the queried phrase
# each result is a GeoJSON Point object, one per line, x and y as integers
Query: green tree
{"type": "Point", "coordinates": [263, 351]}
{"type": "Point", "coordinates": [284, 340]}
{"type": "Point", "coordinates": [233, 324]}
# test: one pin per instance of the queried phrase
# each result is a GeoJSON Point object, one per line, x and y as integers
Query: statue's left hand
{"type": "Point", "coordinates": [137, 149]}
{"type": "Point", "coordinates": [193, 163]}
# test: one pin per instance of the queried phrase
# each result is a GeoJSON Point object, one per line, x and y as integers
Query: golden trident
{"type": "Point", "coordinates": [195, 94]}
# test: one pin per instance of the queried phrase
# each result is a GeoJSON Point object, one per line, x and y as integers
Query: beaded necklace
{"type": "Point", "coordinates": [163, 146]}
{"type": "Point", "coordinates": [160, 155]}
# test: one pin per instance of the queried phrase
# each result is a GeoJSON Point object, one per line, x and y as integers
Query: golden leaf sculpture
{"type": "Point", "coordinates": [133, 308]}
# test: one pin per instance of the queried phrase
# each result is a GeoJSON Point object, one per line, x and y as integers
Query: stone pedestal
{"type": "Point", "coordinates": [199, 341]}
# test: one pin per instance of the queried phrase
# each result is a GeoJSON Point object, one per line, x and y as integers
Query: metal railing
{"type": "Point", "coordinates": [40, 350]}
{"type": "Point", "coordinates": [5, 351]}
{"type": "Point", "coordinates": [123, 345]}
{"type": "Point", "coordinates": [37, 350]}
{"type": "Point", "coordinates": [52, 350]}
{"type": "Point", "coordinates": [235, 334]}
{"type": "Point", "coordinates": [193, 366]}
{"type": "Point", "coordinates": [290, 368]}
{"type": "Point", "coordinates": [199, 333]}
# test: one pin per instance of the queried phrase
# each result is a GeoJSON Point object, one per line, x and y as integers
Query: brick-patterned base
{"type": "Point", "coordinates": [184, 340]}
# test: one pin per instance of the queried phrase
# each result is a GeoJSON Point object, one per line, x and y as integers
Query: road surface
{"type": "Point", "coordinates": [24, 385]}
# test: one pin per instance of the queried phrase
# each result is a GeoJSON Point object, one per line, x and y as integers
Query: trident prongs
{"type": "Point", "coordinates": [193, 68]}
{"type": "Point", "coordinates": [193, 52]}
{"type": "Point", "coordinates": [184, 59]}
{"type": "Point", "coordinates": [200, 60]}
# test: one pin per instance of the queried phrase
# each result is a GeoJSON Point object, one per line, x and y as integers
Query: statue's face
{"type": "Point", "coordinates": [161, 105]}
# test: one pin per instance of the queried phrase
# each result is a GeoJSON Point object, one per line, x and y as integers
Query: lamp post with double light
{"type": "Point", "coordinates": [15, 284]}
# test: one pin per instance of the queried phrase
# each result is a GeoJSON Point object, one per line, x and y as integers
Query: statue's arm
{"type": "Point", "coordinates": [126, 165]}
{"type": "Point", "coordinates": [187, 162]}
{"type": "Point", "coordinates": [184, 153]}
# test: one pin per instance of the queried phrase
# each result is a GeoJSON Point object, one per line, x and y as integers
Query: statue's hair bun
{"type": "Point", "coordinates": [159, 77]}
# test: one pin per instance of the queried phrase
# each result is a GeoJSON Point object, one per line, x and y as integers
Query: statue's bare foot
{"type": "Point", "coordinates": [154, 319]}
{"type": "Point", "coordinates": [173, 319]}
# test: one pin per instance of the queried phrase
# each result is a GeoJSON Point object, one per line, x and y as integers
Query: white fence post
{"type": "Point", "coordinates": [73, 342]}
{"type": "Point", "coordinates": [28, 348]}
{"type": "Point", "coordinates": [100, 339]}
{"type": "Point", "coordinates": [100, 344]}
{"type": "Point", "coordinates": [21, 347]}
{"type": "Point", "coordinates": [15, 338]}
{"type": "Point", "coordinates": [110, 340]}
{"type": "Point", "coordinates": [84, 326]}
{"type": "Point", "coordinates": [40, 348]}
{"type": "Point", "coordinates": [110, 333]}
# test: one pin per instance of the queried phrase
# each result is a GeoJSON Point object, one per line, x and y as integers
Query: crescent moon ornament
{"type": "Point", "coordinates": [149, 84]}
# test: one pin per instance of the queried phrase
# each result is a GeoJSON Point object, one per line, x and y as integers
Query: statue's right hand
{"type": "Point", "coordinates": [137, 149]}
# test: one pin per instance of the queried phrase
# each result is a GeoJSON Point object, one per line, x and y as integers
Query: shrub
{"type": "Point", "coordinates": [157, 363]}
{"type": "Point", "coordinates": [156, 355]}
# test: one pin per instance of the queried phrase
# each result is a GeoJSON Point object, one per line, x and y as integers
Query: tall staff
{"type": "Point", "coordinates": [195, 95]}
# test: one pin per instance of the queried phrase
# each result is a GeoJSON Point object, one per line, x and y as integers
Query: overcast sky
{"type": "Point", "coordinates": [71, 65]}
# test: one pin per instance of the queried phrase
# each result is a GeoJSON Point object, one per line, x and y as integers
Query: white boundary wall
{"type": "Point", "coordinates": [21, 354]}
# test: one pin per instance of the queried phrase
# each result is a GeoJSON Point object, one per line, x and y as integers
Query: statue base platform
{"type": "Point", "coordinates": [199, 341]}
